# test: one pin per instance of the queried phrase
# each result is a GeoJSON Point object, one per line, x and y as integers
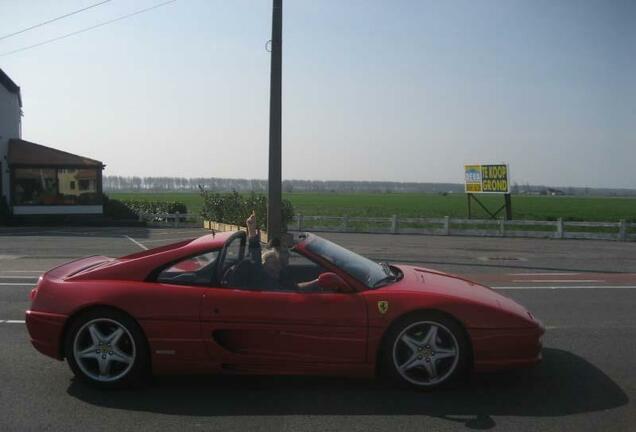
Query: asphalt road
{"type": "Point", "coordinates": [584, 291]}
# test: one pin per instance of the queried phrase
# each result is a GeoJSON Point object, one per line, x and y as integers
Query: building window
{"type": "Point", "coordinates": [50, 186]}
{"type": "Point", "coordinates": [35, 186]}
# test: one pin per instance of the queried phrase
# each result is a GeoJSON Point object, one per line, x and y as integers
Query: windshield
{"type": "Point", "coordinates": [361, 268]}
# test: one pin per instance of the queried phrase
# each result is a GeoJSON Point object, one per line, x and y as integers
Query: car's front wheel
{"type": "Point", "coordinates": [426, 351]}
{"type": "Point", "coordinates": [107, 349]}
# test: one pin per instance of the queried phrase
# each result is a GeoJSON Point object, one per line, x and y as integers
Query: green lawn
{"type": "Point", "coordinates": [432, 205]}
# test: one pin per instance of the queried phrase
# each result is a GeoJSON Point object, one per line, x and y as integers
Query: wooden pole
{"type": "Point", "coordinates": [274, 204]}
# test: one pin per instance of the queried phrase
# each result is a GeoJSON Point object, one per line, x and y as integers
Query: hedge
{"type": "Point", "coordinates": [5, 213]}
{"type": "Point", "coordinates": [117, 210]}
{"type": "Point", "coordinates": [234, 208]}
{"type": "Point", "coordinates": [130, 209]}
{"type": "Point", "coordinates": [155, 207]}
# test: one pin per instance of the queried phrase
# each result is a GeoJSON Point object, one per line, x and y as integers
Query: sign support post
{"type": "Point", "coordinates": [493, 215]}
{"type": "Point", "coordinates": [508, 204]}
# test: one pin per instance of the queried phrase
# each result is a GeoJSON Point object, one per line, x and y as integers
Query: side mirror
{"type": "Point", "coordinates": [332, 282]}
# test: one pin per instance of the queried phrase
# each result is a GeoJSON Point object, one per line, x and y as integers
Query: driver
{"type": "Point", "coordinates": [266, 269]}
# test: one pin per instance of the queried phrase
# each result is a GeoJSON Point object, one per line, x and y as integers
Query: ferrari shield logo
{"type": "Point", "coordinates": [383, 306]}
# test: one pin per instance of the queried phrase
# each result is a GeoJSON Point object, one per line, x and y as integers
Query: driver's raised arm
{"type": "Point", "coordinates": [254, 240]}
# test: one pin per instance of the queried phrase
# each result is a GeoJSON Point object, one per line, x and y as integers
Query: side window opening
{"type": "Point", "coordinates": [196, 270]}
{"type": "Point", "coordinates": [302, 269]}
{"type": "Point", "coordinates": [297, 270]}
{"type": "Point", "coordinates": [234, 254]}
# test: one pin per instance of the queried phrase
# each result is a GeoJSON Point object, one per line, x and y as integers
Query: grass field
{"type": "Point", "coordinates": [432, 205]}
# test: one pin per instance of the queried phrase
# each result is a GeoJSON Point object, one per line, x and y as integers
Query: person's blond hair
{"type": "Point", "coordinates": [271, 262]}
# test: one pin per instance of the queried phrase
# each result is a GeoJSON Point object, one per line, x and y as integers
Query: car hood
{"type": "Point", "coordinates": [420, 279]}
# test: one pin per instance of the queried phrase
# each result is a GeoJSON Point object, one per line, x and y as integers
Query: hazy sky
{"type": "Point", "coordinates": [372, 90]}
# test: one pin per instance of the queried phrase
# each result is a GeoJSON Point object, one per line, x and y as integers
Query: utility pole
{"type": "Point", "coordinates": [274, 225]}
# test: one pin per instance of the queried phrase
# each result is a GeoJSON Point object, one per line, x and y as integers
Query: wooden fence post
{"type": "Point", "coordinates": [394, 224]}
{"type": "Point", "coordinates": [622, 230]}
{"type": "Point", "coordinates": [299, 220]}
{"type": "Point", "coordinates": [559, 227]}
{"type": "Point", "coordinates": [176, 219]}
{"type": "Point", "coordinates": [446, 228]}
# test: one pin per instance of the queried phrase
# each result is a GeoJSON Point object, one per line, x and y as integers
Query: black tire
{"type": "Point", "coordinates": [417, 355]}
{"type": "Point", "coordinates": [132, 345]}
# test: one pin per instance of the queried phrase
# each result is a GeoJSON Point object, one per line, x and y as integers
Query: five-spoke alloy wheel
{"type": "Point", "coordinates": [426, 351]}
{"type": "Point", "coordinates": [106, 348]}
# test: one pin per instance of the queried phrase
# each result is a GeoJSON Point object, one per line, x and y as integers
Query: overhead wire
{"type": "Point", "coordinates": [75, 12]}
{"type": "Point", "coordinates": [55, 39]}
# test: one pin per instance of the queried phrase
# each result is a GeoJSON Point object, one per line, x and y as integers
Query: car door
{"type": "Point", "coordinates": [250, 328]}
{"type": "Point", "coordinates": [170, 308]}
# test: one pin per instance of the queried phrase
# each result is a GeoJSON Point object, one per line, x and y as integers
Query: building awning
{"type": "Point", "coordinates": [26, 153]}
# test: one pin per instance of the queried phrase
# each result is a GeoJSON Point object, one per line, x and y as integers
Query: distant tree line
{"type": "Point", "coordinates": [180, 184]}
{"type": "Point", "coordinates": [216, 184]}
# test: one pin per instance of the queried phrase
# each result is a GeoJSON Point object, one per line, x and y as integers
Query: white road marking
{"type": "Point", "coordinates": [75, 233]}
{"type": "Point", "coordinates": [16, 284]}
{"type": "Point", "coordinates": [543, 274]}
{"type": "Point", "coordinates": [21, 233]}
{"type": "Point", "coordinates": [15, 322]}
{"type": "Point", "coordinates": [564, 287]}
{"type": "Point", "coordinates": [19, 277]}
{"type": "Point", "coordinates": [136, 242]}
{"type": "Point", "coordinates": [55, 233]}
{"type": "Point", "coordinates": [171, 231]}
{"type": "Point", "coordinates": [39, 233]}
{"type": "Point", "coordinates": [558, 280]}
{"type": "Point", "coordinates": [22, 271]}
{"type": "Point", "coordinates": [175, 239]}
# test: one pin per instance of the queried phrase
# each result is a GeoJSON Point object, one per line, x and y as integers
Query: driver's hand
{"type": "Point", "coordinates": [251, 224]}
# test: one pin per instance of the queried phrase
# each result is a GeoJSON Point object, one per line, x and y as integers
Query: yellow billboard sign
{"type": "Point", "coordinates": [492, 178]}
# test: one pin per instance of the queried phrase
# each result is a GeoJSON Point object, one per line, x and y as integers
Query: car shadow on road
{"type": "Point", "coordinates": [563, 384]}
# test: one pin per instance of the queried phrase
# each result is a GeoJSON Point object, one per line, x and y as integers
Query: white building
{"type": "Point", "coordinates": [10, 125]}
{"type": "Point", "coordinates": [40, 180]}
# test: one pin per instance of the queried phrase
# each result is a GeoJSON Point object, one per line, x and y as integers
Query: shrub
{"type": "Point", "coordinates": [234, 208]}
{"type": "Point", "coordinates": [155, 207]}
{"type": "Point", "coordinates": [117, 210]}
{"type": "Point", "coordinates": [5, 213]}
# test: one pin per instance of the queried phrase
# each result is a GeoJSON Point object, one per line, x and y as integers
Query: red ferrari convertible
{"type": "Point", "coordinates": [174, 309]}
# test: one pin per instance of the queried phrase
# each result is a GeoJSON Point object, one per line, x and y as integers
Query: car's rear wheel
{"type": "Point", "coordinates": [426, 351]}
{"type": "Point", "coordinates": [107, 349]}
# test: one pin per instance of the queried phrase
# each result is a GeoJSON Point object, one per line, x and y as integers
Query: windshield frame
{"type": "Point", "coordinates": [376, 273]}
